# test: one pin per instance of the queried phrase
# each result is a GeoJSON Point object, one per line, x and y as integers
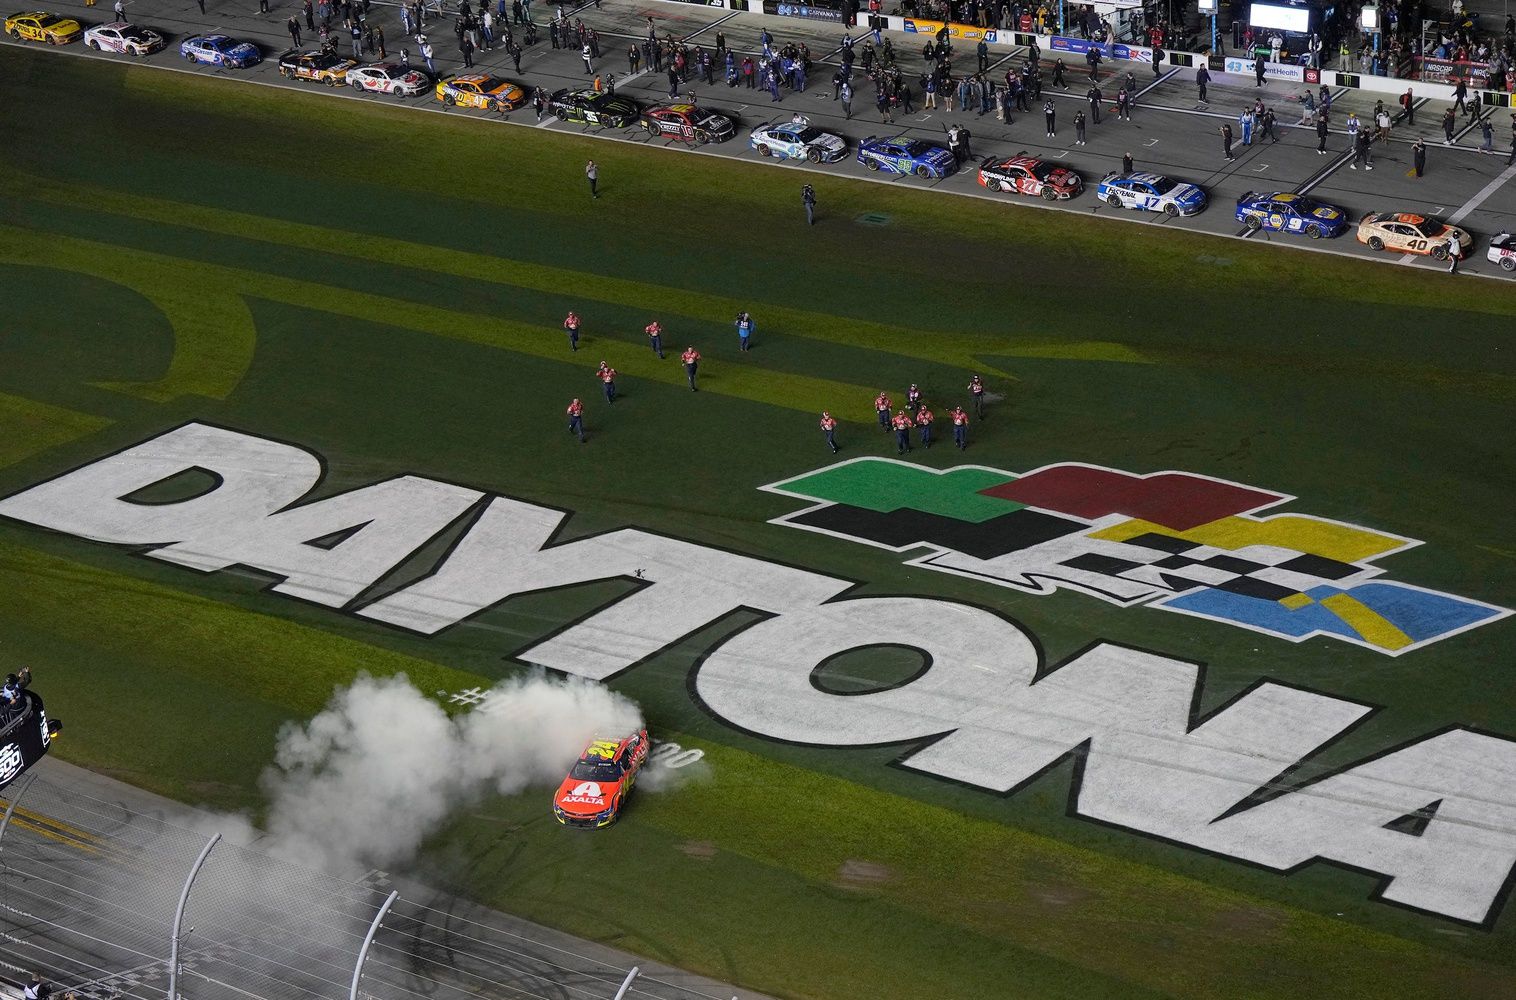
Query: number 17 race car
{"type": "Point", "coordinates": [596, 788]}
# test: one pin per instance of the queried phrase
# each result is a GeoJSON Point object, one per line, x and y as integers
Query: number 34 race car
{"type": "Point", "coordinates": [596, 788]}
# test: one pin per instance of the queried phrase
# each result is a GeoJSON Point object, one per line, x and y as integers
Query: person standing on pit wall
{"type": "Point", "coordinates": [607, 376]}
{"type": "Point", "coordinates": [829, 430]}
{"type": "Point", "coordinates": [960, 428]}
{"type": "Point", "coordinates": [744, 325]}
{"type": "Point", "coordinates": [924, 420]}
{"type": "Point", "coordinates": [654, 331]}
{"type": "Point", "coordinates": [691, 361]}
{"type": "Point", "coordinates": [576, 419]}
{"type": "Point", "coordinates": [902, 424]}
{"type": "Point", "coordinates": [976, 391]}
{"type": "Point", "coordinates": [571, 327]}
{"type": "Point", "coordinates": [882, 406]}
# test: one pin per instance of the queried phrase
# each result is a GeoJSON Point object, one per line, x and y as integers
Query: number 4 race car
{"type": "Point", "coordinates": [797, 140]}
{"type": "Point", "coordinates": [40, 26]}
{"type": "Point", "coordinates": [1286, 212]}
{"type": "Point", "coordinates": [123, 37]}
{"type": "Point", "coordinates": [1151, 192]}
{"type": "Point", "coordinates": [907, 156]}
{"type": "Point", "coordinates": [1029, 175]}
{"type": "Point", "coordinates": [596, 788]}
{"type": "Point", "coordinates": [688, 122]}
{"type": "Point", "coordinates": [321, 67]}
{"type": "Point", "coordinates": [1411, 234]}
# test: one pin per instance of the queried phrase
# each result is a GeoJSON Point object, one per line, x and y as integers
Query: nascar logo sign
{"type": "Point", "coordinates": [10, 762]}
{"type": "Point", "coordinates": [1175, 541]}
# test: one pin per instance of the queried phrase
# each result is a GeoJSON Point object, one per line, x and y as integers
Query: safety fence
{"type": "Point", "coordinates": [107, 902]}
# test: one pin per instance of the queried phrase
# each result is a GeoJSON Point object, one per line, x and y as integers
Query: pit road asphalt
{"type": "Point", "coordinates": [1170, 131]}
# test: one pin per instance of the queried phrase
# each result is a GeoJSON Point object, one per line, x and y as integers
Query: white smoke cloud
{"type": "Point", "coordinates": [366, 780]}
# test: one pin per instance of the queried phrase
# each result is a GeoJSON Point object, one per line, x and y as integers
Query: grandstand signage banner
{"type": "Point", "coordinates": [1433, 818]}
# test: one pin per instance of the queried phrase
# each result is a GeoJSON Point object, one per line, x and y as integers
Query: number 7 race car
{"type": "Point", "coordinates": [1411, 234]}
{"type": "Point", "coordinates": [596, 788]}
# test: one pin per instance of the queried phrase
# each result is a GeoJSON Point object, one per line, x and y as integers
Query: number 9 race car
{"type": "Point", "coordinates": [1286, 212]}
{"type": "Point", "coordinates": [596, 788]}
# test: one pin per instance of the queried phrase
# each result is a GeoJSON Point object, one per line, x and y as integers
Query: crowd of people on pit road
{"type": "Point", "coordinates": [915, 415]}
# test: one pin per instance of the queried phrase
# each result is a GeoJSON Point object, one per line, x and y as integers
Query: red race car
{"type": "Point", "coordinates": [1029, 175]}
{"type": "Point", "coordinates": [596, 788]}
{"type": "Point", "coordinates": [688, 123]}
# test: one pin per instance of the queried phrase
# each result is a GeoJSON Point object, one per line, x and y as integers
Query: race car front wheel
{"type": "Point", "coordinates": [1252, 225]}
{"type": "Point", "coordinates": [449, 100]}
{"type": "Point", "coordinates": [1171, 209]}
{"type": "Point", "coordinates": [1508, 263]}
{"type": "Point", "coordinates": [814, 155]}
{"type": "Point", "coordinates": [94, 44]}
{"type": "Point", "coordinates": [1048, 194]}
{"type": "Point", "coordinates": [1314, 232]}
{"type": "Point", "coordinates": [331, 81]}
{"type": "Point", "coordinates": [1113, 201]}
{"type": "Point", "coordinates": [1375, 243]}
{"type": "Point", "coordinates": [871, 164]}
{"type": "Point", "coordinates": [652, 129]}
{"type": "Point", "coordinates": [1439, 253]}
{"type": "Point", "coordinates": [923, 171]}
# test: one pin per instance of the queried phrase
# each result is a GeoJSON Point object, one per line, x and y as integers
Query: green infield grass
{"type": "Point", "coordinates": [385, 287]}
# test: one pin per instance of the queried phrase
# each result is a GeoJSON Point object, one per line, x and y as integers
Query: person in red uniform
{"type": "Point", "coordinates": [829, 428]}
{"type": "Point", "coordinates": [976, 389]}
{"type": "Point", "coordinates": [576, 419]}
{"type": "Point", "coordinates": [903, 427]}
{"type": "Point", "coordinates": [571, 327]}
{"type": "Point", "coordinates": [607, 376]}
{"type": "Point", "coordinates": [882, 406]}
{"type": "Point", "coordinates": [691, 359]}
{"type": "Point", "coordinates": [960, 428]}
{"type": "Point", "coordinates": [924, 420]}
{"type": "Point", "coordinates": [654, 331]}
{"type": "Point", "coordinates": [913, 399]}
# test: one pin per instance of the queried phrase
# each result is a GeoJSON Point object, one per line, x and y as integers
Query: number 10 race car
{"type": "Point", "coordinates": [596, 788]}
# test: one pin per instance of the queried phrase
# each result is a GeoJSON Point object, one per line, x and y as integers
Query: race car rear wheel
{"type": "Point", "coordinates": [814, 155]}
{"type": "Point", "coordinates": [190, 57]}
{"type": "Point", "coordinates": [1375, 243]}
{"type": "Point", "coordinates": [1113, 200]}
{"type": "Point", "coordinates": [923, 171]}
{"type": "Point", "coordinates": [1048, 194]}
{"type": "Point", "coordinates": [1171, 209]}
{"type": "Point", "coordinates": [1508, 263]}
{"type": "Point", "coordinates": [763, 150]}
{"type": "Point", "coordinates": [1439, 253]}
{"type": "Point", "coordinates": [16, 34]}
{"type": "Point", "coordinates": [1315, 232]}
{"type": "Point", "coordinates": [288, 74]}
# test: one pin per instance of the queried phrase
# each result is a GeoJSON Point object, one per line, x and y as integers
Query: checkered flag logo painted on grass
{"type": "Point", "coordinates": [1171, 540]}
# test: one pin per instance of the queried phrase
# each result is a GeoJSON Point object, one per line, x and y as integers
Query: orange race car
{"type": "Point", "coordinates": [1411, 234]}
{"type": "Point", "coordinates": [480, 90]}
{"type": "Point", "coordinates": [596, 788]}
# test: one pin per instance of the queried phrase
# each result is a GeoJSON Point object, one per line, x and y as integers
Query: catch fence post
{"type": "Point", "coordinates": [368, 939]}
{"type": "Point", "coordinates": [173, 949]}
{"type": "Point", "coordinates": [627, 984]}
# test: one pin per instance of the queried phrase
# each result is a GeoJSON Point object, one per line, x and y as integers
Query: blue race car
{"type": "Point", "coordinates": [1290, 213]}
{"type": "Point", "coordinates": [907, 156]}
{"type": "Point", "coordinates": [1152, 193]}
{"type": "Point", "coordinates": [797, 140]}
{"type": "Point", "coordinates": [220, 50]}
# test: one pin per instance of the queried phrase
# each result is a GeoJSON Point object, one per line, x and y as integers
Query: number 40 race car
{"type": "Point", "coordinates": [596, 788]}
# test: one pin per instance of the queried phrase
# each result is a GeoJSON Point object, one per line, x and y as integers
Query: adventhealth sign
{"type": "Point", "coordinates": [1435, 819]}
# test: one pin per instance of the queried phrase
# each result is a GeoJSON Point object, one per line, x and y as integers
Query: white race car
{"type": "Point", "coordinates": [1503, 251]}
{"type": "Point", "coordinates": [122, 37]}
{"type": "Point", "coordinates": [797, 139]}
{"type": "Point", "coordinates": [1152, 193]}
{"type": "Point", "coordinates": [387, 78]}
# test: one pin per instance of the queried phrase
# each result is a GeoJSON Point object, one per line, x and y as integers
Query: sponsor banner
{"type": "Point", "coordinates": [1271, 70]}
{"type": "Point", "coordinates": [967, 32]}
{"type": "Point", "coordinates": [1312, 75]}
{"type": "Point", "coordinates": [811, 13]}
{"type": "Point", "coordinates": [1448, 71]}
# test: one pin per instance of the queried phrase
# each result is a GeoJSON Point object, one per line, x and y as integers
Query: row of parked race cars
{"type": "Point", "coordinates": [796, 139]}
